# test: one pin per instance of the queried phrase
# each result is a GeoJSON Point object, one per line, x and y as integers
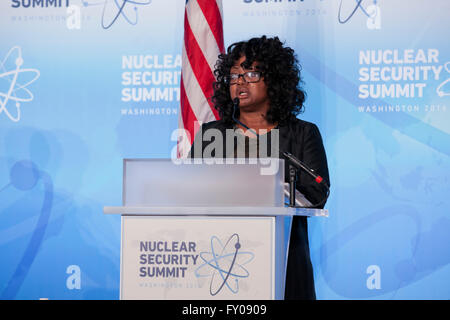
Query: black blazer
{"type": "Point", "coordinates": [303, 140]}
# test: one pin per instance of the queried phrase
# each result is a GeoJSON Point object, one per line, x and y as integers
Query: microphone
{"type": "Point", "coordinates": [290, 157]}
{"type": "Point", "coordinates": [300, 165]}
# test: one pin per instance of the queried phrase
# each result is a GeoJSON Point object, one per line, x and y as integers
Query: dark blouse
{"type": "Point", "coordinates": [303, 140]}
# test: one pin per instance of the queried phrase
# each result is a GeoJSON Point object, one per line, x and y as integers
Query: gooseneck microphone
{"type": "Point", "coordinates": [294, 161]}
{"type": "Point", "coordinates": [300, 165]}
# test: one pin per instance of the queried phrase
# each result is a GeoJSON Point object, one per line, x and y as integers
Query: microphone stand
{"type": "Point", "coordinates": [294, 165]}
{"type": "Point", "coordinates": [292, 184]}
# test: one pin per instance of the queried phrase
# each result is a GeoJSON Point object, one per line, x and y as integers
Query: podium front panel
{"type": "Point", "coordinates": [198, 258]}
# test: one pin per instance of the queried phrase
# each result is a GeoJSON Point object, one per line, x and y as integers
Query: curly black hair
{"type": "Point", "coordinates": [280, 70]}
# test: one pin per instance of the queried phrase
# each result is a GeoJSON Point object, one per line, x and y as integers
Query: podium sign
{"type": "Point", "coordinates": [198, 257]}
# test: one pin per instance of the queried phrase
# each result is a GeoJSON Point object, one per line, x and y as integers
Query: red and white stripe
{"type": "Point", "coordinates": [203, 42]}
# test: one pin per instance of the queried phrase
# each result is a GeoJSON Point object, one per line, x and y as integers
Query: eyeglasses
{"type": "Point", "coordinates": [249, 77]}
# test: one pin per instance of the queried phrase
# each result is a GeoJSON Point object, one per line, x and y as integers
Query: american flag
{"type": "Point", "coordinates": [203, 42]}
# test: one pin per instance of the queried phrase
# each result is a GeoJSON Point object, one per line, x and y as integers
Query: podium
{"type": "Point", "coordinates": [204, 229]}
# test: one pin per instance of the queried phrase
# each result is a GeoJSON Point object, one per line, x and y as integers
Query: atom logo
{"type": "Point", "coordinates": [112, 9]}
{"type": "Point", "coordinates": [10, 72]}
{"type": "Point", "coordinates": [227, 264]}
{"type": "Point", "coordinates": [441, 92]}
{"type": "Point", "coordinates": [372, 12]}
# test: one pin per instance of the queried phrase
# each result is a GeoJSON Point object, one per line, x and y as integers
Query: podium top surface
{"type": "Point", "coordinates": [216, 211]}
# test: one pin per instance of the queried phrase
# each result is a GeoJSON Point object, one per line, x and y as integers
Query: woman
{"type": "Point", "coordinates": [264, 76]}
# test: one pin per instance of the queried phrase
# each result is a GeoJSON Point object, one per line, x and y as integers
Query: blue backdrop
{"type": "Point", "coordinates": [75, 99]}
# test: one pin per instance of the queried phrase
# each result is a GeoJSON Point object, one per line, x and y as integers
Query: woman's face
{"type": "Point", "coordinates": [252, 95]}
